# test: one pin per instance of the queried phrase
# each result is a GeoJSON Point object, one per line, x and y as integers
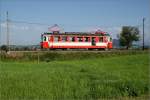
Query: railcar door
{"type": "Point", "coordinates": [93, 42]}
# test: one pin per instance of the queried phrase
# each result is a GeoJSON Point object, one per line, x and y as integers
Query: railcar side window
{"type": "Point", "coordinates": [64, 39]}
{"type": "Point", "coordinates": [86, 39]}
{"type": "Point", "coordinates": [73, 39]}
{"type": "Point", "coordinates": [80, 39]}
{"type": "Point", "coordinates": [56, 38]}
{"type": "Point", "coordinates": [100, 39]}
{"type": "Point", "coordinates": [59, 38]}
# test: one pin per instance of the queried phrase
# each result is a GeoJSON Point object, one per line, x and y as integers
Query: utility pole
{"type": "Point", "coordinates": [143, 32]}
{"type": "Point", "coordinates": [7, 37]}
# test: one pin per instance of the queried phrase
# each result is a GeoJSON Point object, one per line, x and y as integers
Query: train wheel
{"type": "Point", "coordinates": [90, 49]}
{"type": "Point", "coordinates": [64, 49]}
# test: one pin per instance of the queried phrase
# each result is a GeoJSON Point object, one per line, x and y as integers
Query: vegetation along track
{"type": "Point", "coordinates": [63, 55]}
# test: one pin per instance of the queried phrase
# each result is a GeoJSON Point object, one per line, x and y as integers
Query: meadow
{"type": "Point", "coordinates": [89, 78]}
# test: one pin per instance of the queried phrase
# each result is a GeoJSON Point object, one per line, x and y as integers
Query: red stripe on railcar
{"type": "Point", "coordinates": [79, 47]}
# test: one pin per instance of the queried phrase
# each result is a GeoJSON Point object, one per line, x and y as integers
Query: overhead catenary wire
{"type": "Point", "coordinates": [71, 25]}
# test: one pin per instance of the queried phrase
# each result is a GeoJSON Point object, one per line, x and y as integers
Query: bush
{"type": "Point", "coordinates": [4, 48]}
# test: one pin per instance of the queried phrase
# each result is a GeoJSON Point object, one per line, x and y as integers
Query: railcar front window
{"type": "Point", "coordinates": [110, 39]}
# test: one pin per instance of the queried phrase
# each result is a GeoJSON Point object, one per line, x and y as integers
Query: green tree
{"type": "Point", "coordinates": [128, 35]}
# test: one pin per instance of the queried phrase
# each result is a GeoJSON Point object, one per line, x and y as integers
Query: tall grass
{"type": "Point", "coordinates": [86, 79]}
{"type": "Point", "coordinates": [61, 56]}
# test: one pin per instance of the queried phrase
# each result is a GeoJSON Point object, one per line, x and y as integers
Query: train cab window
{"type": "Point", "coordinates": [44, 38]}
{"type": "Point", "coordinates": [100, 39]}
{"type": "Point", "coordinates": [110, 39]}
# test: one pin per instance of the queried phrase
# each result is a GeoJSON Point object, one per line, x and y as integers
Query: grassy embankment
{"type": "Point", "coordinates": [91, 78]}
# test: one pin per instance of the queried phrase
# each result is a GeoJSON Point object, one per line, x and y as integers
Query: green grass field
{"type": "Point", "coordinates": [86, 79]}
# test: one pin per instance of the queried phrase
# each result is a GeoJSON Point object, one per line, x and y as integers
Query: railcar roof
{"type": "Point", "coordinates": [76, 33]}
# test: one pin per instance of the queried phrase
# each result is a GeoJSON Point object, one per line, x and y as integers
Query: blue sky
{"type": "Point", "coordinates": [70, 15]}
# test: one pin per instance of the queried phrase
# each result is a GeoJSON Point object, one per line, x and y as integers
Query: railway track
{"type": "Point", "coordinates": [63, 51]}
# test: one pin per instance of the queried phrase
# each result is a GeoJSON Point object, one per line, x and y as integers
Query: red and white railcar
{"type": "Point", "coordinates": [76, 40]}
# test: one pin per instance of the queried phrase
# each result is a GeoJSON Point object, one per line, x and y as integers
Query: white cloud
{"type": "Point", "coordinates": [3, 25]}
